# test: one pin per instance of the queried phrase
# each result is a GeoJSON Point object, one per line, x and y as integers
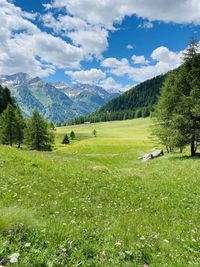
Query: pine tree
{"type": "Point", "coordinates": [38, 136]}
{"type": "Point", "coordinates": [20, 125]}
{"type": "Point", "coordinates": [72, 135]}
{"type": "Point", "coordinates": [65, 140]}
{"type": "Point", "coordinates": [8, 126]}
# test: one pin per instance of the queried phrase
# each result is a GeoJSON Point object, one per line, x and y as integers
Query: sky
{"type": "Point", "coordinates": [115, 44]}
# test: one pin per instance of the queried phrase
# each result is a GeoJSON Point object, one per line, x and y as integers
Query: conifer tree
{"type": "Point", "coordinates": [38, 135]}
{"type": "Point", "coordinates": [8, 126]}
{"type": "Point", "coordinates": [65, 140]}
{"type": "Point", "coordinates": [20, 125]}
{"type": "Point", "coordinates": [72, 135]}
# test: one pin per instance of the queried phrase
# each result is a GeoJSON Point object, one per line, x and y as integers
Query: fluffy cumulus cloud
{"type": "Point", "coordinates": [139, 60]}
{"type": "Point", "coordinates": [163, 60]}
{"type": "Point", "coordinates": [111, 84]}
{"type": "Point", "coordinates": [24, 47]}
{"type": "Point", "coordinates": [92, 76]}
{"type": "Point", "coordinates": [93, 41]}
{"type": "Point", "coordinates": [179, 11]}
{"type": "Point", "coordinates": [90, 30]}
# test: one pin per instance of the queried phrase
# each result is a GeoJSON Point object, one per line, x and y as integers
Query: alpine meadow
{"type": "Point", "coordinates": [99, 133]}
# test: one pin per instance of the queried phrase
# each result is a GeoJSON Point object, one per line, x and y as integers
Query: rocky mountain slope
{"type": "Point", "coordinates": [56, 102]}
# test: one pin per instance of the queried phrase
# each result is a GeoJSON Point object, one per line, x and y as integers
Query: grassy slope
{"type": "Point", "coordinates": [92, 203]}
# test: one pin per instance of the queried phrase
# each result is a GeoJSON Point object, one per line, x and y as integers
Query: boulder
{"type": "Point", "coordinates": [152, 155]}
{"type": "Point", "coordinates": [157, 153]}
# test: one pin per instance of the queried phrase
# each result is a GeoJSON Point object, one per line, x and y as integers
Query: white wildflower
{"type": "Point", "coordinates": [27, 245]}
{"type": "Point", "coordinates": [129, 253]}
{"type": "Point", "coordinates": [14, 257]}
{"type": "Point", "coordinates": [166, 241]}
{"type": "Point", "coordinates": [117, 244]}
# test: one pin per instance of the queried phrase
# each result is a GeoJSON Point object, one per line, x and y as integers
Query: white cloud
{"type": "Point", "coordinates": [139, 60]}
{"type": "Point", "coordinates": [24, 47]}
{"type": "Point", "coordinates": [88, 22]}
{"type": "Point", "coordinates": [165, 60]}
{"type": "Point", "coordinates": [130, 46]}
{"type": "Point", "coordinates": [99, 12]}
{"type": "Point", "coordinates": [146, 25]}
{"type": "Point", "coordinates": [111, 85]}
{"type": "Point", "coordinates": [91, 76]}
{"type": "Point", "coordinates": [94, 42]}
{"type": "Point", "coordinates": [163, 54]}
{"type": "Point", "coordinates": [64, 23]}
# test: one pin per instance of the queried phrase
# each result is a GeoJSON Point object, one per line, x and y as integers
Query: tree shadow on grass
{"type": "Point", "coordinates": [179, 156]}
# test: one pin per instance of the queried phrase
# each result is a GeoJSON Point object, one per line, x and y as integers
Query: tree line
{"type": "Point", "coordinates": [177, 114]}
{"type": "Point", "coordinates": [111, 116]}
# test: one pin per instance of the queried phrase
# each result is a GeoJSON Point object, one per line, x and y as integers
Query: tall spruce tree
{"type": "Point", "coordinates": [38, 135]}
{"type": "Point", "coordinates": [177, 113]}
{"type": "Point", "coordinates": [8, 126]}
{"type": "Point", "coordinates": [19, 128]}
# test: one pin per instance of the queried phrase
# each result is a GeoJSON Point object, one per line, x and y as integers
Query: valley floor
{"type": "Point", "coordinates": [93, 203]}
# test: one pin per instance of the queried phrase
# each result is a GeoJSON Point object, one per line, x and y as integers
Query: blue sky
{"type": "Point", "coordinates": [113, 43]}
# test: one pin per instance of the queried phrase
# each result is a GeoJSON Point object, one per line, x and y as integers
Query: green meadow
{"type": "Point", "coordinates": [93, 203]}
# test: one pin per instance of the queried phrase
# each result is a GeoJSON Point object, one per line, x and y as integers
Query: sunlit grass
{"type": "Point", "coordinates": [93, 203]}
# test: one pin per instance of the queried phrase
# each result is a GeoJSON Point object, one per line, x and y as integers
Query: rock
{"type": "Point", "coordinates": [154, 154]}
{"type": "Point", "coordinates": [157, 153]}
{"type": "Point", "coordinates": [147, 157]}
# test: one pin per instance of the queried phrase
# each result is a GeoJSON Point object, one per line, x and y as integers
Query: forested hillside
{"type": "Point", "coordinates": [135, 103]}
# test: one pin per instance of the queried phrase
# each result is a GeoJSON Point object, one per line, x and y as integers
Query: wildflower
{"type": "Point", "coordinates": [127, 252]}
{"type": "Point", "coordinates": [142, 238]}
{"type": "Point", "coordinates": [145, 265]}
{"type": "Point", "coordinates": [5, 243]}
{"type": "Point", "coordinates": [3, 261]}
{"type": "Point", "coordinates": [166, 241]}
{"type": "Point", "coordinates": [27, 245]}
{"type": "Point", "coordinates": [14, 257]}
{"type": "Point", "coordinates": [117, 244]}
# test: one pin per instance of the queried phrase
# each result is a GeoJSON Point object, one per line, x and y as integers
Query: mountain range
{"type": "Point", "coordinates": [56, 102]}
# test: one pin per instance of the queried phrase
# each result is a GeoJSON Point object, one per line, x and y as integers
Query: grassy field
{"type": "Point", "coordinates": [93, 203]}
